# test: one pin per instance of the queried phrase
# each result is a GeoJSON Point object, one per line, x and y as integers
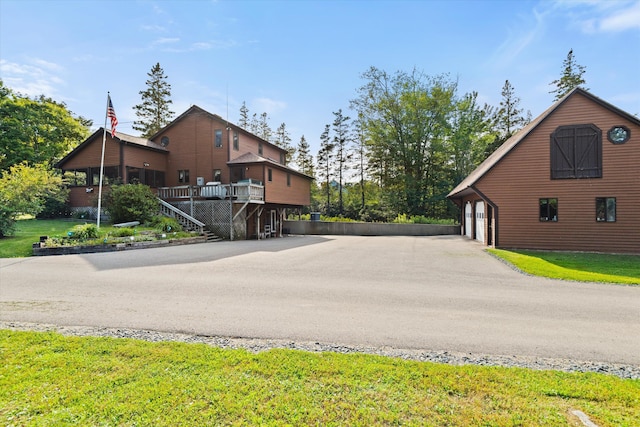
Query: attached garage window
{"type": "Point", "coordinates": [605, 209]}
{"type": "Point", "coordinates": [576, 152]}
{"type": "Point", "coordinates": [549, 210]}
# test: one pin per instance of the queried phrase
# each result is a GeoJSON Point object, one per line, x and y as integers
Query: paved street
{"type": "Point", "coordinates": [438, 293]}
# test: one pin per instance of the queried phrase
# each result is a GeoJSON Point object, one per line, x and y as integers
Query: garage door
{"type": "Point", "coordinates": [468, 219]}
{"type": "Point", "coordinates": [480, 221]}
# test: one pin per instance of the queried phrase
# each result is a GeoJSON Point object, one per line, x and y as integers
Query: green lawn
{"type": "Point", "coordinates": [584, 267]}
{"type": "Point", "coordinates": [28, 231]}
{"type": "Point", "coordinates": [48, 379]}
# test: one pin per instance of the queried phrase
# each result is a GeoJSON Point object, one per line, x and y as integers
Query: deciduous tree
{"type": "Point", "coordinates": [24, 189]}
{"type": "Point", "coordinates": [36, 130]}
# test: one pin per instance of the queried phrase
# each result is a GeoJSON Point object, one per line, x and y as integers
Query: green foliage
{"type": "Point", "coordinates": [571, 78]}
{"type": "Point", "coordinates": [154, 113]}
{"type": "Point", "coordinates": [25, 189]}
{"type": "Point", "coordinates": [131, 202]}
{"type": "Point", "coordinates": [419, 219]}
{"type": "Point", "coordinates": [578, 266]}
{"type": "Point", "coordinates": [49, 379]}
{"type": "Point", "coordinates": [84, 232]}
{"type": "Point", "coordinates": [165, 224]}
{"type": "Point", "coordinates": [416, 127]}
{"type": "Point", "coordinates": [36, 131]}
{"type": "Point", "coordinates": [122, 232]}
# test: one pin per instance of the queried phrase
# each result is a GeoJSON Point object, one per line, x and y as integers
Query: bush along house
{"type": "Point", "coordinates": [569, 180]}
{"type": "Point", "coordinates": [207, 173]}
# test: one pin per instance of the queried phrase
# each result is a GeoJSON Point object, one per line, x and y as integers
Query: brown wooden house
{"type": "Point", "coordinates": [570, 180]}
{"type": "Point", "coordinates": [201, 165]}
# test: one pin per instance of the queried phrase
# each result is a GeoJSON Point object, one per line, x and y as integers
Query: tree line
{"type": "Point", "coordinates": [414, 137]}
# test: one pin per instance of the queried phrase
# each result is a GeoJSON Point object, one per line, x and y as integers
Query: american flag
{"type": "Point", "coordinates": [111, 113]}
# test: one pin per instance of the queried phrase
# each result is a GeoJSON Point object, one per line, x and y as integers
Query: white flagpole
{"type": "Point", "coordinates": [104, 140]}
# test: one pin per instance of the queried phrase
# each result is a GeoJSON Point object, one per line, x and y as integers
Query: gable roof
{"type": "Point", "coordinates": [251, 158]}
{"type": "Point", "coordinates": [194, 109]}
{"type": "Point", "coordinates": [122, 137]}
{"type": "Point", "coordinates": [517, 138]}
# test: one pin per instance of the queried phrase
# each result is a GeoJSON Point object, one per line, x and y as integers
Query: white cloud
{"type": "Point", "coordinates": [524, 33]}
{"type": "Point", "coordinates": [38, 77]}
{"type": "Point", "coordinates": [267, 105]}
{"type": "Point", "coordinates": [166, 40]}
{"type": "Point", "coordinates": [622, 20]}
{"type": "Point", "coordinates": [593, 16]}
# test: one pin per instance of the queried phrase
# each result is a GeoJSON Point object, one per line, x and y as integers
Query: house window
{"type": "Point", "coordinates": [549, 210]}
{"type": "Point", "coordinates": [282, 158]}
{"type": "Point", "coordinates": [288, 180]}
{"type": "Point", "coordinates": [270, 175]}
{"type": "Point", "coordinates": [236, 144]}
{"type": "Point", "coordinates": [217, 175]}
{"type": "Point", "coordinates": [183, 176]}
{"type": "Point", "coordinates": [576, 152]}
{"type": "Point", "coordinates": [605, 209]}
{"type": "Point", "coordinates": [76, 177]}
{"type": "Point", "coordinates": [260, 148]}
{"type": "Point", "coordinates": [218, 138]}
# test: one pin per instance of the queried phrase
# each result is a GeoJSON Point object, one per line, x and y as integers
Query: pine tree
{"type": "Point", "coordinates": [509, 118]}
{"type": "Point", "coordinates": [153, 112]}
{"type": "Point", "coordinates": [571, 77]}
{"type": "Point", "coordinates": [341, 140]}
{"type": "Point", "coordinates": [264, 130]}
{"type": "Point", "coordinates": [283, 140]}
{"type": "Point", "coordinates": [304, 159]}
{"type": "Point", "coordinates": [244, 116]}
{"type": "Point", "coordinates": [325, 156]}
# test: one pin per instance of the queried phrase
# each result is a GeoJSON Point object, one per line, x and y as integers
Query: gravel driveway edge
{"type": "Point", "coordinates": [258, 345]}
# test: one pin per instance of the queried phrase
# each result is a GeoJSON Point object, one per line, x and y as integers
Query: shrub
{"type": "Point", "coordinates": [122, 232]}
{"type": "Point", "coordinates": [166, 224]}
{"type": "Point", "coordinates": [84, 232]}
{"type": "Point", "coordinates": [131, 202]}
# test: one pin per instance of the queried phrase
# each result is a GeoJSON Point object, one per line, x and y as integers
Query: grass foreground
{"type": "Point", "coordinates": [578, 266]}
{"type": "Point", "coordinates": [49, 379]}
{"type": "Point", "coordinates": [28, 231]}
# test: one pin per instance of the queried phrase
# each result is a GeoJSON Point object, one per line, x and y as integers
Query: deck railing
{"type": "Point", "coordinates": [187, 221]}
{"type": "Point", "coordinates": [241, 192]}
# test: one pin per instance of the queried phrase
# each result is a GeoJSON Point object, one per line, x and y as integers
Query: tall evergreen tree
{"type": "Point", "coordinates": [571, 78]}
{"type": "Point", "coordinates": [360, 159]}
{"type": "Point", "coordinates": [341, 140]}
{"type": "Point", "coordinates": [509, 118]}
{"type": "Point", "coordinates": [325, 156]}
{"type": "Point", "coordinates": [304, 159]}
{"type": "Point", "coordinates": [283, 140]}
{"type": "Point", "coordinates": [264, 130]}
{"type": "Point", "coordinates": [244, 116]}
{"type": "Point", "coordinates": [154, 113]}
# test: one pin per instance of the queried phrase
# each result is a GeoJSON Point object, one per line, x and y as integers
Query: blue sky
{"type": "Point", "coordinates": [301, 60]}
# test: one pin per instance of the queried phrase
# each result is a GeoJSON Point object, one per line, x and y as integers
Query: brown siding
{"type": "Point", "coordinates": [517, 183]}
{"type": "Point", "coordinates": [192, 147]}
{"type": "Point", "coordinates": [277, 191]}
{"type": "Point", "coordinates": [91, 153]}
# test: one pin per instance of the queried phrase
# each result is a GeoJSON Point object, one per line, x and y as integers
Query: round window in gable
{"type": "Point", "coordinates": [164, 141]}
{"type": "Point", "coordinates": [619, 134]}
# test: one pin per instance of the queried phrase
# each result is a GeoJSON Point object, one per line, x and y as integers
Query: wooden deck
{"type": "Point", "coordinates": [238, 192]}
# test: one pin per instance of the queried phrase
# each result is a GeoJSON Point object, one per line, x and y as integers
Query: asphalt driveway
{"type": "Point", "coordinates": [439, 293]}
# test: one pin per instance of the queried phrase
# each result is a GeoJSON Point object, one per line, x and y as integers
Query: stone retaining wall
{"type": "Point", "coordinates": [368, 228]}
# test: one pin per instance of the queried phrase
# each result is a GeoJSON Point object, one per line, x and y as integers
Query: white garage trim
{"type": "Point", "coordinates": [480, 221]}
{"type": "Point", "coordinates": [468, 219]}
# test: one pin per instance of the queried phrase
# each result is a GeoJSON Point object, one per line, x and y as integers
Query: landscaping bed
{"type": "Point", "coordinates": [39, 250]}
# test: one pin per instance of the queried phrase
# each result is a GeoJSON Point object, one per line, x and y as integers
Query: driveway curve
{"type": "Point", "coordinates": [441, 293]}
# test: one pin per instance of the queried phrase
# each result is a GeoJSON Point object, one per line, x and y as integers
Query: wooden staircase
{"type": "Point", "coordinates": [187, 222]}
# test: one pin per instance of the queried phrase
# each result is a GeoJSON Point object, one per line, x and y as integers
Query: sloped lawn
{"type": "Point", "coordinates": [579, 266]}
